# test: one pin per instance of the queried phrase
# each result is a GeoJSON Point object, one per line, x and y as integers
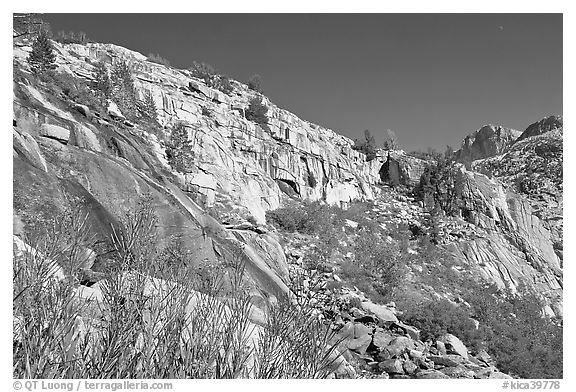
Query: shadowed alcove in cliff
{"type": "Point", "coordinates": [289, 187]}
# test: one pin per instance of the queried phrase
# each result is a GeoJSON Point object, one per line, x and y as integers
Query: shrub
{"type": "Point", "coordinates": [203, 71]}
{"type": "Point", "coordinates": [42, 57]}
{"type": "Point", "coordinates": [257, 111]}
{"type": "Point", "coordinates": [295, 343]}
{"type": "Point", "coordinates": [71, 88]}
{"type": "Point", "coordinates": [157, 328]}
{"type": "Point", "coordinates": [255, 83]}
{"type": "Point", "coordinates": [206, 112]}
{"type": "Point", "coordinates": [306, 217]}
{"type": "Point", "coordinates": [515, 333]}
{"type": "Point", "coordinates": [156, 58]}
{"type": "Point", "coordinates": [222, 83]}
{"type": "Point", "coordinates": [179, 149]}
{"type": "Point", "coordinates": [377, 267]}
{"type": "Point", "coordinates": [368, 146]}
{"type": "Point", "coordinates": [436, 318]}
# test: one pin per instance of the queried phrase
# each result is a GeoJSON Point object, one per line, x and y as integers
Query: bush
{"type": "Point", "coordinates": [156, 58]}
{"type": "Point", "coordinates": [206, 112]}
{"type": "Point", "coordinates": [515, 333]}
{"type": "Point", "coordinates": [305, 217]}
{"type": "Point", "coordinates": [157, 320]}
{"type": "Point", "coordinates": [377, 266]}
{"type": "Point", "coordinates": [437, 318]}
{"type": "Point", "coordinates": [223, 84]}
{"type": "Point", "coordinates": [71, 88]}
{"type": "Point", "coordinates": [257, 111]}
{"type": "Point", "coordinates": [203, 71]}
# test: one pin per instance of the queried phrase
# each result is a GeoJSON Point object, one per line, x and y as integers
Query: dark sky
{"type": "Point", "coordinates": [432, 78]}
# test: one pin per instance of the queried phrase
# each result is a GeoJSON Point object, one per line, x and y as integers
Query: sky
{"type": "Point", "coordinates": [431, 78]}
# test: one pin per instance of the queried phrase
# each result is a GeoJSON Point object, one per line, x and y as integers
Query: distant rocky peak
{"type": "Point", "coordinates": [547, 124]}
{"type": "Point", "coordinates": [488, 141]}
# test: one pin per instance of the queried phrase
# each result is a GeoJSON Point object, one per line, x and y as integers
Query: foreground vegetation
{"type": "Point", "coordinates": [153, 319]}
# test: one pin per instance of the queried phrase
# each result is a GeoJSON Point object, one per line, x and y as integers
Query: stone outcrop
{"type": "Point", "coordinates": [533, 167]}
{"type": "Point", "coordinates": [381, 348]}
{"type": "Point", "coordinates": [547, 124]}
{"type": "Point", "coordinates": [486, 142]}
{"type": "Point", "coordinates": [242, 159]}
{"type": "Point", "coordinates": [399, 168]}
{"type": "Point", "coordinates": [512, 245]}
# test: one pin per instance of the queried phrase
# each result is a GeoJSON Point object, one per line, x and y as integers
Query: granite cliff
{"type": "Point", "coordinates": [68, 155]}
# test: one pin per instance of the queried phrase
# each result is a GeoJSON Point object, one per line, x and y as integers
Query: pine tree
{"type": "Point", "coordinates": [391, 142]}
{"type": "Point", "coordinates": [147, 109]}
{"type": "Point", "coordinates": [179, 148]}
{"type": "Point", "coordinates": [368, 146]}
{"type": "Point", "coordinates": [255, 83]}
{"type": "Point", "coordinates": [123, 90]}
{"type": "Point", "coordinates": [42, 57]}
{"type": "Point", "coordinates": [102, 82]}
{"type": "Point", "coordinates": [257, 112]}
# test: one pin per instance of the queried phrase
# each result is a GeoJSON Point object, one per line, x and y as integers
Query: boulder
{"type": "Point", "coordinates": [25, 145]}
{"type": "Point", "coordinates": [400, 345]}
{"type": "Point", "coordinates": [381, 311]}
{"type": "Point", "coordinates": [499, 375]}
{"type": "Point", "coordinates": [360, 330]}
{"type": "Point", "coordinates": [391, 366]}
{"type": "Point", "coordinates": [454, 345]}
{"type": "Point", "coordinates": [55, 132]}
{"type": "Point", "coordinates": [458, 371]}
{"type": "Point", "coordinates": [447, 360]}
{"type": "Point", "coordinates": [82, 109]}
{"type": "Point", "coordinates": [441, 348]}
{"type": "Point", "coordinates": [409, 330]}
{"type": "Point", "coordinates": [360, 345]}
{"type": "Point", "coordinates": [484, 357]}
{"type": "Point", "coordinates": [382, 339]}
{"type": "Point", "coordinates": [415, 354]}
{"type": "Point", "coordinates": [114, 111]}
{"type": "Point", "coordinates": [430, 374]}
{"type": "Point", "coordinates": [409, 367]}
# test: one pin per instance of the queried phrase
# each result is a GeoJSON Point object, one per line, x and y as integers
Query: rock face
{"type": "Point", "coordinates": [512, 245]}
{"type": "Point", "coordinates": [111, 164]}
{"type": "Point", "coordinates": [545, 125]}
{"type": "Point", "coordinates": [242, 160]}
{"type": "Point", "coordinates": [521, 205]}
{"type": "Point", "coordinates": [486, 142]}
{"type": "Point", "coordinates": [533, 167]}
